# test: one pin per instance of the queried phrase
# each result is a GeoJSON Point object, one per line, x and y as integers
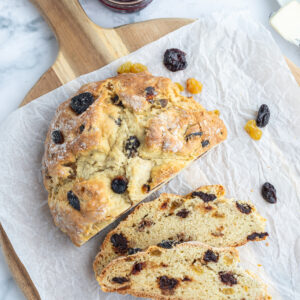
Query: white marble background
{"type": "Point", "coordinates": [28, 48]}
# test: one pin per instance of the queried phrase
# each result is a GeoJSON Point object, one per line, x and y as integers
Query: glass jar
{"type": "Point", "coordinates": [126, 6]}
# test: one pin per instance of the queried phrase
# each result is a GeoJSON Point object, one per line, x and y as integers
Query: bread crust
{"type": "Point", "coordinates": [170, 130]}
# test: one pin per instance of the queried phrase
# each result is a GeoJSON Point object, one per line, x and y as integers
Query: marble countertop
{"type": "Point", "coordinates": [28, 48]}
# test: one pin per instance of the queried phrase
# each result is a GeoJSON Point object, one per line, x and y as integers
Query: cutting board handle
{"type": "Point", "coordinates": [82, 43]}
{"type": "Point", "coordinates": [64, 16]}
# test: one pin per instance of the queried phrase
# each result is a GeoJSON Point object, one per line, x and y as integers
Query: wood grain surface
{"type": "Point", "coordinates": [85, 47]}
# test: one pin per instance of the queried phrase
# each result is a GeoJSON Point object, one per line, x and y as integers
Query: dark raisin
{"type": "Point", "coordinates": [120, 280]}
{"type": "Point", "coordinates": [191, 135]}
{"type": "Point", "coordinates": [205, 197]}
{"type": "Point", "coordinates": [205, 143]}
{"type": "Point", "coordinates": [144, 223]}
{"type": "Point", "coordinates": [81, 102]}
{"type": "Point", "coordinates": [137, 268]}
{"type": "Point", "coordinates": [57, 137]}
{"type": "Point", "coordinates": [183, 213]}
{"type": "Point", "coordinates": [166, 283]}
{"type": "Point", "coordinates": [146, 188]}
{"type": "Point", "coordinates": [119, 185]}
{"type": "Point", "coordinates": [163, 102]}
{"type": "Point", "coordinates": [150, 91]}
{"type": "Point", "coordinates": [175, 60]}
{"type": "Point", "coordinates": [185, 278]}
{"type": "Point", "coordinates": [166, 244]}
{"type": "Point", "coordinates": [73, 200]}
{"type": "Point", "coordinates": [227, 278]}
{"type": "Point", "coordinates": [119, 242]}
{"type": "Point", "coordinates": [256, 235]}
{"type": "Point", "coordinates": [263, 116]}
{"type": "Point", "coordinates": [244, 208]}
{"type": "Point", "coordinates": [131, 146]}
{"type": "Point", "coordinates": [269, 192]}
{"type": "Point", "coordinates": [116, 101]}
{"type": "Point", "coordinates": [118, 121]}
{"type": "Point", "coordinates": [132, 251]}
{"type": "Point", "coordinates": [81, 128]}
{"type": "Point", "coordinates": [209, 255]}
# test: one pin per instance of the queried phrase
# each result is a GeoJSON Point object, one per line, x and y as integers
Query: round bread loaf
{"type": "Point", "coordinates": [114, 143]}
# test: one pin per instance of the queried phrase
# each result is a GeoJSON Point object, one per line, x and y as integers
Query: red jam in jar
{"type": "Point", "coordinates": [126, 6]}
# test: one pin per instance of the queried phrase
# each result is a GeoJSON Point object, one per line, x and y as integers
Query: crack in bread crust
{"type": "Point", "coordinates": [94, 149]}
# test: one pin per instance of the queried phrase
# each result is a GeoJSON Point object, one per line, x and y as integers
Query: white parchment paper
{"type": "Point", "coordinates": [241, 68]}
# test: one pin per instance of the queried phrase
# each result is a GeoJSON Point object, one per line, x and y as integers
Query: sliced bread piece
{"type": "Point", "coordinates": [204, 215]}
{"type": "Point", "coordinates": [187, 271]}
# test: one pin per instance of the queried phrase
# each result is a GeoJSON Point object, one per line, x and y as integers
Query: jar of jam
{"type": "Point", "coordinates": [126, 6]}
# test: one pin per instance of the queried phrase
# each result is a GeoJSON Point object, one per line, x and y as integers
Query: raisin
{"type": "Point", "coordinates": [163, 102]}
{"type": "Point", "coordinates": [138, 68]}
{"type": "Point", "coordinates": [116, 101]}
{"type": "Point", "coordinates": [254, 132]}
{"type": "Point", "coordinates": [253, 236]}
{"type": "Point", "coordinates": [119, 241]}
{"type": "Point", "coordinates": [205, 197]}
{"type": "Point", "coordinates": [145, 223]}
{"type": "Point", "coordinates": [132, 251]}
{"type": "Point", "coordinates": [73, 200]}
{"type": "Point", "coordinates": [166, 283]}
{"type": "Point", "coordinates": [166, 244]}
{"type": "Point", "coordinates": [118, 122]}
{"type": "Point", "coordinates": [183, 213]}
{"type": "Point", "coordinates": [227, 278]}
{"type": "Point", "coordinates": [175, 60]}
{"type": "Point", "coordinates": [137, 268]}
{"type": "Point", "coordinates": [191, 135]}
{"type": "Point", "coordinates": [120, 280]}
{"type": "Point", "coordinates": [194, 86]}
{"type": "Point", "coordinates": [81, 128]}
{"type": "Point", "coordinates": [244, 208]}
{"type": "Point", "coordinates": [209, 255]}
{"type": "Point", "coordinates": [185, 278]}
{"type": "Point", "coordinates": [125, 67]}
{"type": "Point", "coordinates": [131, 146]}
{"type": "Point", "coordinates": [263, 116]}
{"type": "Point", "coordinates": [150, 92]}
{"type": "Point", "coordinates": [81, 102]}
{"type": "Point", "coordinates": [269, 192]}
{"type": "Point", "coordinates": [119, 185]}
{"type": "Point", "coordinates": [146, 188]}
{"type": "Point", "coordinates": [57, 137]}
{"type": "Point", "coordinates": [205, 143]}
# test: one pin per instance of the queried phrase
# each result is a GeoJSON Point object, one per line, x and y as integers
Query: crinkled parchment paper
{"type": "Point", "coordinates": [241, 68]}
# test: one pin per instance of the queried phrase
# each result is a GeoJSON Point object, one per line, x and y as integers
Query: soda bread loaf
{"type": "Point", "coordinates": [114, 143]}
{"type": "Point", "coordinates": [187, 271]}
{"type": "Point", "coordinates": [204, 215]}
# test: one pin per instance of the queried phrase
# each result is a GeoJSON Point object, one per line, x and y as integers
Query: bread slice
{"type": "Point", "coordinates": [204, 215]}
{"type": "Point", "coordinates": [187, 271]}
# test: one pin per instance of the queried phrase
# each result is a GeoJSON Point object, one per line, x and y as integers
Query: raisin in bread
{"type": "Point", "coordinates": [204, 215]}
{"type": "Point", "coordinates": [187, 271]}
{"type": "Point", "coordinates": [114, 143]}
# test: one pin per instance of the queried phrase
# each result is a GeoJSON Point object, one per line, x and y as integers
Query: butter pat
{"type": "Point", "coordinates": [287, 22]}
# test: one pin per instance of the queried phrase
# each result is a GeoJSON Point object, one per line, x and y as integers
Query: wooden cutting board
{"type": "Point", "coordinates": [85, 47]}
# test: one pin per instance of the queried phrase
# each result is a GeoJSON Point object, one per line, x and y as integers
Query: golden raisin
{"type": "Point", "coordinates": [125, 68]}
{"type": "Point", "coordinates": [181, 88]}
{"type": "Point", "coordinates": [194, 86]}
{"type": "Point", "coordinates": [138, 68]}
{"type": "Point", "coordinates": [254, 132]}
